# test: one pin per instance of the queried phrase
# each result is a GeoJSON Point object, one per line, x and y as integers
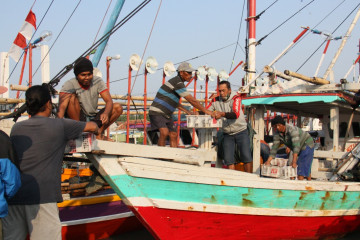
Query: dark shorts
{"type": "Point", "coordinates": [158, 121]}
{"type": "Point", "coordinates": [96, 118]}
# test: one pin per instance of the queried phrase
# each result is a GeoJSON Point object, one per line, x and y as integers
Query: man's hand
{"type": "Point", "coordinates": [294, 165]}
{"type": "Point", "coordinates": [104, 118]}
{"type": "Point", "coordinates": [287, 150]}
{"type": "Point", "coordinates": [267, 163]}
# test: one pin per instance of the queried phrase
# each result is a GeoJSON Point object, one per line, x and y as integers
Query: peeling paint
{"type": "Point", "coordinates": [280, 193]}
{"type": "Point", "coordinates": [204, 208]}
{"type": "Point", "coordinates": [213, 199]}
{"type": "Point", "coordinates": [247, 203]}
{"type": "Point", "coordinates": [223, 182]}
{"type": "Point", "coordinates": [322, 206]}
{"type": "Point", "coordinates": [190, 208]}
{"type": "Point", "coordinates": [327, 196]}
{"type": "Point", "coordinates": [309, 188]}
{"type": "Point", "coordinates": [344, 197]}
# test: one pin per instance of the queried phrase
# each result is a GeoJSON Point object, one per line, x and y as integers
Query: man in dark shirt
{"type": "Point", "coordinates": [167, 100]}
{"type": "Point", "coordinates": [40, 143]}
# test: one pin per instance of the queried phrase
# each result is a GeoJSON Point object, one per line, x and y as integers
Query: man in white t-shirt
{"type": "Point", "coordinates": [79, 98]}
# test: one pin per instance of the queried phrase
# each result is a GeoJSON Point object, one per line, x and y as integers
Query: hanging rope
{"type": "Point", "coordinates": [102, 21]}
{"type": "Point", "coordinates": [237, 40]}
{"type": "Point", "coordinates": [331, 34]}
{"type": "Point", "coordinates": [58, 36]}
{"type": "Point", "coordinates": [261, 39]}
{"type": "Point", "coordinates": [216, 50]}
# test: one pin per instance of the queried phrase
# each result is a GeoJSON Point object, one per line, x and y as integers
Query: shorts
{"type": "Point", "coordinates": [96, 118]}
{"type": "Point", "coordinates": [304, 162]}
{"type": "Point", "coordinates": [159, 121]}
{"type": "Point", "coordinates": [40, 221]}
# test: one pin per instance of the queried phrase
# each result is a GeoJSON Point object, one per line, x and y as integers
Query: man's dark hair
{"type": "Point", "coordinates": [36, 98]}
{"type": "Point", "coordinates": [227, 84]}
{"type": "Point", "coordinates": [276, 120]}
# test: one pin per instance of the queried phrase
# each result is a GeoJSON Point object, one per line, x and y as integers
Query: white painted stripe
{"type": "Point", "coordinates": [216, 208]}
{"type": "Point", "coordinates": [97, 219]}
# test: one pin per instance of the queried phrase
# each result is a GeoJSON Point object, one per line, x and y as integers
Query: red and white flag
{"type": "Point", "coordinates": [25, 32]}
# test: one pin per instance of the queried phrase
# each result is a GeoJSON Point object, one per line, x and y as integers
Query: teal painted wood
{"type": "Point", "coordinates": [299, 99]}
{"type": "Point", "coordinates": [235, 196]}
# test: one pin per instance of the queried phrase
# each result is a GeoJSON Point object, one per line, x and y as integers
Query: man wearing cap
{"type": "Point", "coordinates": [167, 99]}
{"type": "Point", "coordinates": [227, 106]}
{"type": "Point", "coordinates": [300, 143]}
{"type": "Point", "coordinates": [79, 98]}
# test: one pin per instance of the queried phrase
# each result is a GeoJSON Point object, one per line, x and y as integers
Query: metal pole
{"type": "Point", "coordinates": [30, 65]}
{"type": "Point", "coordinates": [128, 107]}
{"type": "Point", "coordinates": [145, 94]}
{"type": "Point", "coordinates": [108, 84]}
{"type": "Point", "coordinates": [22, 72]}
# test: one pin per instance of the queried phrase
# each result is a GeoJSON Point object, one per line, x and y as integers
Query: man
{"type": "Point", "coordinates": [40, 143]}
{"type": "Point", "coordinates": [167, 100]}
{"type": "Point", "coordinates": [299, 142]}
{"type": "Point", "coordinates": [79, 98]}
{"type": "Point", "coordinates": [228, 107]}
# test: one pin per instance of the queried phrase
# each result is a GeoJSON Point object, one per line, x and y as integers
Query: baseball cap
{"type": "Point", "coordinates": [186, 67]}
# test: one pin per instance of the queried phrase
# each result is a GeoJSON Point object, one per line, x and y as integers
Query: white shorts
{"type": "Point", "coordinates": [40, 221]}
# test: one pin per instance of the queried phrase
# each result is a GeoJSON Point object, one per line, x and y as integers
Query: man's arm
{"type": "Point", "coordinates": [182, 108]}
{"type": "Point", "coordinates": [104, 117]}
{"type": "Point", "coordinates": [197, 105]}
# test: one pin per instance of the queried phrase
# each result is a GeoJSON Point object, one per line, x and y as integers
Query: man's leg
{"type": "Point", "coordinates": [15, 224]}
{"type": "Point", "coordinates": [243, 144]}
{"type": "Point", "coordinates": [46, 222]}
{"type": "Point", "coordinates": [114, 115]}
{"type": "Point", "coordinates": [164, 132]}
{"type": "Point", "coordinates": [173, 139]}
{"type": "Point", "coordinates": [229, 151]}
{"type": "Point", "coordinates": [73, 109]}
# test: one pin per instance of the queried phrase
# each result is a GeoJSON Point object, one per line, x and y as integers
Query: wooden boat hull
{"type": "Point", "coordinates": [179, 201]}
{"type": "Point", "coordinates": [97, 217]}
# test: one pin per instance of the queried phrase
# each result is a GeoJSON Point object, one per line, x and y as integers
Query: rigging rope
{"type": "Point", "coordinates": [102, 21]}
{"type": "Point", "coordinates": [125, 78]}
{"type": "Point", "coordinates": [57, 36]}
{"type": "Point", "coordinates": [237, 40]}
{"type": "Point", "coordinates": [331, 33]}
{"type": "Point", "coordinates": [261, 39]}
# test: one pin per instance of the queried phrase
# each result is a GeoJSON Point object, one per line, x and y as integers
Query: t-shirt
{"type": "Point", "coordinates": [40, 143]}
{"type": "Point", "coordinates": [168, 97]}
{"type": "Point", "coordinates": [88, 98]}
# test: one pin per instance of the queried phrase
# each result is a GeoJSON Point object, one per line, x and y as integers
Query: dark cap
{"type": "Point", "coordinates": [276, 120]}
{"type": "Point", "coordinates": [83, 65]}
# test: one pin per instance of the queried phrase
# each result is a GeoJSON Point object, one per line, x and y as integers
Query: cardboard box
{"type": "Point", "coordinates": [202, 121]}
{"type": "Point", "coordinates": [80, 144]}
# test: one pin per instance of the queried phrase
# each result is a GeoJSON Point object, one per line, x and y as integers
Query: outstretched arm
{"type": "Point", "coordinates": [197, 105]}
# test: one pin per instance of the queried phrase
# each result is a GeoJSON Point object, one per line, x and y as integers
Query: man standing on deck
{"type": "Point", "coordinates": [79, 98]}
{"type": "Point", "coordinates": [300, 143]}
{"type": "Point", "coordinates": [228, 107]}
{"type": "Point", "coordinates": [167, 100]}
{"type": "Point", "coordinates": [39, 143]}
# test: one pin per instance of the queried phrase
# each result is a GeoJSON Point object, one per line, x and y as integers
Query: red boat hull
{"type": "Point", "coordinates": [175, 224]}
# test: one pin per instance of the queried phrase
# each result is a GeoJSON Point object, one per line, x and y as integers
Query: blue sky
{"type": "Point", "coordinates": [184, 30]}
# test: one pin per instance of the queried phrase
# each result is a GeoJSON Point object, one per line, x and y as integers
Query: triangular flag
{"type": "Point", "coordinates": [28, 26]}
{"type": "Point", "coordinates": [18, 47]}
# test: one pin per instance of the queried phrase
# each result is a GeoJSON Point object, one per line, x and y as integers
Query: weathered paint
{"type": "Point", "coordinates": [237, 196]}
{"type": "Point", "coordinates": [174, 224]}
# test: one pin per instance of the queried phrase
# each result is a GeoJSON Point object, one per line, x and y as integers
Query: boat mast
{"type": "Point", "coordinates": [252, 40]}
{"type": "Point", "coordinates": [114, 16]}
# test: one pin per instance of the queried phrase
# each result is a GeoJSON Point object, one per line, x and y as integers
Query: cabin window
{"type": "Point", "coordinates": [356, 129]}
{"type": "Point", "coordinates": [342, 130]}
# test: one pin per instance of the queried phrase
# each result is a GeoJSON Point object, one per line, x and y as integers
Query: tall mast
{"type": "Point", "coordinates": [114, 16]}
{"type": "Point", "coordinates": [252, 39]}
